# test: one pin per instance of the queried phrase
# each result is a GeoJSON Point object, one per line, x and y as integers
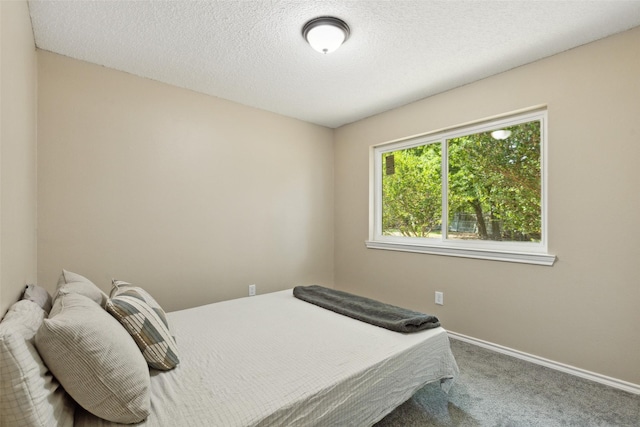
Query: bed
{"type": "Point", "coordinates": [274, 360]}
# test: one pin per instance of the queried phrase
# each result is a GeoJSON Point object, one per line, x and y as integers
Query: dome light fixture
{"type": "Point", "coordinates": [501, 134]}
{"type": "Point", "coordinates": [325, 34]}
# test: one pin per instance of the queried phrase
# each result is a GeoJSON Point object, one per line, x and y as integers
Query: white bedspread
{"type": "Point", "coordinates": [274, 360]}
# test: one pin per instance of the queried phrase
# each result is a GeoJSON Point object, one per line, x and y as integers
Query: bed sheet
{"type": "Point", "coordinates": [274, 360]}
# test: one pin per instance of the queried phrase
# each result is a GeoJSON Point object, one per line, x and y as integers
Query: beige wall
{"type": "Point", "coordinates": [583, 311]}
{"type": "Point", "coordinates": [18, 81]}
{"type": "Point", "coordinates": [189, 196]}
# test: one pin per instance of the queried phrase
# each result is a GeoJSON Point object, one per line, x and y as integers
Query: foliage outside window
{"type": "Point", "coordinates": [476, 191]}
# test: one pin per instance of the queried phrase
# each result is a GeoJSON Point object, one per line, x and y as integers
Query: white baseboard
{"type": "Point", "coordinates": [602, 379]}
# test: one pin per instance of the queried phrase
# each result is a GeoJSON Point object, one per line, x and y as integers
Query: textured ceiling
{"type": "Point", "coordinates": [252, 52]}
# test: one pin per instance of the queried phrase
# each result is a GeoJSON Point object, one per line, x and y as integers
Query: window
{"type": "Point", "coordinates": [474, 191]}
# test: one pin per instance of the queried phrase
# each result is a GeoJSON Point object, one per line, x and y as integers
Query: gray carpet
{"type": "Point", "coordinates": [498, 390]}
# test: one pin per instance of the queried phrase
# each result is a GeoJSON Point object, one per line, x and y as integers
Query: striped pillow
{"type": "Point", "coordinates": [95, 360]}
{"type": "Point", "coordinates": [146, 322]}
{"type": "Point", "coordinates": [73, 283]}
{"type": "Point", "coordinates": [29, 394]}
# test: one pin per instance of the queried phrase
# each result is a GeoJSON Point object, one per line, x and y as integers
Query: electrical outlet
{"type": "Point", "coordinates": [252, 290]}
{"type": "Point", "coordinates": [439, 298]}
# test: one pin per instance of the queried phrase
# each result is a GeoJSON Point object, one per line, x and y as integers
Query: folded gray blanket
{"type": "Point", "coordinates": [367, 310]}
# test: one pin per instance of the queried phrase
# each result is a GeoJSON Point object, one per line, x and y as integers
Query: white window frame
{"type": "Point", "coordinates": [521, 252]}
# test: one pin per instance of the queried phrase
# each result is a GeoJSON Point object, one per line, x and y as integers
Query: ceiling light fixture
{"type": "Point", "coordinates": [501, 134]}
{"type": "Point", "coordinates": [325, 34]}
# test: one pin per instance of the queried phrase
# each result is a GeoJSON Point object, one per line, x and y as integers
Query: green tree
{"type": "Point", "coordinates": [495, 182]}
{"type": "Point", "coordinates": [499, 182]}
{"type": "Point", "coordinates": [412, 191]}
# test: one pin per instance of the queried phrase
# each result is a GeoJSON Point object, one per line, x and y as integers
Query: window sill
{"type": "Point", "coordinates": [494, 255]}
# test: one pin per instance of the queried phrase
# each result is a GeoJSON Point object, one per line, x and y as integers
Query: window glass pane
{"type": "Point", "coordinates": [494, 185]}
{"type": "Point", "coordinates": [412, 192]}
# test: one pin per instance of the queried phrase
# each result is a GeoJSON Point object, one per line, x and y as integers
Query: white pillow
{"type": "Point", "coordinates": [95, 359]}
{"type": "Point", "coordinates": [76, 284]}
{"type": "Point", "coordinates": [29, 394]}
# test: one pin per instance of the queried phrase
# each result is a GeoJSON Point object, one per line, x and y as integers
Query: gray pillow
{"type": "Point", "coordinates": [95, 360]}
{"type": "Point", "coordinates": [39, 295]}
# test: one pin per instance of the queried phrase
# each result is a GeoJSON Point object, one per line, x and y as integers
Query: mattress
{"type": "Point", "coordinates": [273, 360]}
